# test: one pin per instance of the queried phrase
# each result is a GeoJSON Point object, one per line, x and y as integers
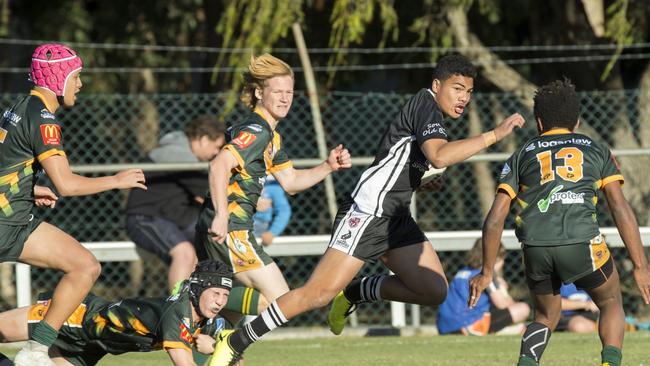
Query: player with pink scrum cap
{"type": "Point", "coordinates": [31, 140]}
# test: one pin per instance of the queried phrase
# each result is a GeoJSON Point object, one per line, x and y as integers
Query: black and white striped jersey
{"type": "Point", "coordinates": [386, 187]}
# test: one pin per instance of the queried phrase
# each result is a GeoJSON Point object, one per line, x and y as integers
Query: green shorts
{"type": "Point", "coordinates": [73, 341]}
{"type": "Point", "coordinates": [240, 251]}
{"type": "Point", "coordinates": [14, 238]}
{"type": "Point", "coordinates": [565, 263]}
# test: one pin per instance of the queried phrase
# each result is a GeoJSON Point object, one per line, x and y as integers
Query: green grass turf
{"type": "Point", "coordinates": [565, 349]}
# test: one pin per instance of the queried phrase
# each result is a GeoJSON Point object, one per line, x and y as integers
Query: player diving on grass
{"type": "Point", "coordinates": [188, 319]}
{"type": "Point", "coordinates": [377, 224]}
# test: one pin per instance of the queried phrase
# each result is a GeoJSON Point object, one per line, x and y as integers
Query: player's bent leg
{"type": "Point", "coordinates": [13, 325]}
{"type": "Point", "coordinates": [419, 277]}
{"type": "Point", "coordinates": [538, 333]}
{"type": "Point", "coordinates": [80, 268]}
{"type": "Point", "coordinates": [611, 324]}
{"type": "Point", "coordinates": [268, 280]}
{"type": "Point", "coordinates": [183, 262]}
{"type": "Point", "coordinates": [334, 271]}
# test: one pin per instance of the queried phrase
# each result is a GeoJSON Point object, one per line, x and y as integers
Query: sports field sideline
{"type": "Point", "coordinates": [565, 349]}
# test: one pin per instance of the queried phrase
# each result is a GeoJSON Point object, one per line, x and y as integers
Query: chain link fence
{"type": "Point", "coordinates": [114, 129]}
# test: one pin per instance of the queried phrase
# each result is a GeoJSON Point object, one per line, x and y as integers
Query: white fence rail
{"type": "Point", "coordinates": [308, 245]}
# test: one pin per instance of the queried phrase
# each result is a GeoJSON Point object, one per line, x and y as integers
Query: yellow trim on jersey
{"type": "Point", "coordinates": [508, 189]}
{"type": "Point", "coordinates": [277, 168]}
{"type": "Point", "coordinates": [243, 256]}
{"type": "Point", "coordinates": [235, 189]}
{"type": "Point", "coordinates": [175, 345]}
{"type": "Point", "coordinates": [612, 178]}
{"type": "Point", "coordinates": [236, 154]}
{"type": "Point", "coordinates": [26, 162]}
{"type": "Point", "coordinates": [40, 96]}
{"type": "Point", "coordinates": [49, 153]}
{"type": "Point", "coordinates": [557, 131]}
{"type": "Point", "coordinates": [246, 304]}
{"type": "Point", "coordinates": [137, 325]}
{"type": "Point", "coordinates": [259, 112]}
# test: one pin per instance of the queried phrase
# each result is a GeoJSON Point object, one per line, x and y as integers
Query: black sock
{"type": "Point", "coordinates": [365, 289]}
{"type": "Point", "coordinates": [534, 341]}
{"type": "Point", "coordinates": [270, 319]}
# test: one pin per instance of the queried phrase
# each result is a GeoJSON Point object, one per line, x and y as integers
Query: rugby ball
{"type": "Point", "coordinates": [432, 174]}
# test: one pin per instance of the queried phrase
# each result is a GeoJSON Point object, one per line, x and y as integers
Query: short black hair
{"type": "Point", "coordinates": [204, 126]}
{"type": "Point", "coordinates": [454, 64]}
{"type": "Point", "coordinates": [557, 105]}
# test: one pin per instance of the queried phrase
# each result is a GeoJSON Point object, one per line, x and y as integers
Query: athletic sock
{"type": "Point", "coordinates": [533, 343]}
{"type": "Point", "coordinates": [611, 356]}
{"type": "Point", "coordinates": [270, 319]}
{"type": "Point", "coordinates": [44, 334]}
{"type": "Point", "coordinates": [243, 300]}
{"type": "Point", "coordinates": [365, 289]}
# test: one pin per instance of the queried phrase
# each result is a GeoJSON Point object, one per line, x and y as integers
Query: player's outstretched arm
{"type": "Point", "coordinates": [629, 231]}
{"type": "Point", "coordinates": [296, 180]}
{"type": "Point", "coordinates": [180, 357]}
{"type": "Point", "coordinates": [443, 154]}
{"type": "Point", "coordinates": [68, 183]}
{"type": "Point", "coordinates": [492, 231]}
{"type": "Point", "coordinates": [219, 176]}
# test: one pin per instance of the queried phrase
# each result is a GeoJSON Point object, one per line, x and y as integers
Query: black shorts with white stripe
{"type": "Point", "coordinates": [368, 237]}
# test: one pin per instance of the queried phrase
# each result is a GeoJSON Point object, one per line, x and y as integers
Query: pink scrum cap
{"type": "Point", "coordinates": [52, 65]}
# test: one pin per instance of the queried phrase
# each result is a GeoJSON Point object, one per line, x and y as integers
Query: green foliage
{"type": "Point", "coordinates": [350, 20]}
{"type": "Point", "coordinates": [619, 29]}
{"type": "Point", "coordinates": [255, 25]}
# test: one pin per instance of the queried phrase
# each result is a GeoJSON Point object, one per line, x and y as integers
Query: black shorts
{"type": "Point", "coordinates": [157, 235]}
{"type": "Point", "coordinates": [14, 238]}
{"type": "Point", "coordinates": [587, 265]}
{"type": "Point", "coordinates": [368, 237]}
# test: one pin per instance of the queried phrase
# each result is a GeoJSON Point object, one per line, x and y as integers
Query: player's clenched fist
{"type": "Point", "coordinates": [508, 124]}
{"type": "Point", "coordinates": [130, 178]}
{"type": "Point", "coordinates": [339, 158]}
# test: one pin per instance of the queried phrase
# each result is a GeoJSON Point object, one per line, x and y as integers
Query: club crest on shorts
{"type": "Point", "coordinates": [354, 222]}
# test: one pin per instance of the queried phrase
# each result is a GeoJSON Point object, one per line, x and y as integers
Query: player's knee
{"type": "Point", "coordinates": [581, 325]}
{"type": "Point", "coordinates": [437, 295]}
{"type": "Point", "coordinates": [184, 253]}
{"type": "Point", "coordinates": [93, 269]}
{"type": "Point", "coordinates": [319, 296]}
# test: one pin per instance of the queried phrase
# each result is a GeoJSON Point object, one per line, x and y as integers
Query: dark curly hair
{"type": "Point", "coordinates": [453, 64]}
{"type": "Point", "coordinates": [557, 105]}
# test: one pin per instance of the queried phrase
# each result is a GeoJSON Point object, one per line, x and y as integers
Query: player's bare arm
{"type": "Point", "coordinates": [68, 183]}
{"type": "Point", "coordinates": [180, 357]}
{"type": "Point", "coordinates": [629, 231]}
{"type": "Point", "coordinates": [492, 231]}
{"type": "Point", "coordinates": [296, 180]}
{"type": "Point", "coordinates": [44, 197]}
{"type": "Point", "coordinates": [443, 154]}
{"type": "Point", "coordinates": [220, 171]}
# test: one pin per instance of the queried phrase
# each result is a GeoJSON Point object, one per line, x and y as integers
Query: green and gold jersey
{"type": "Point", "coordinates": [146, 324]}
{"type": "Point", "coordinates": [259, 152]}
{"type": "Point", "coordinates": [29, 134]}
{"type": "Point", "coordinates": [554, 179]}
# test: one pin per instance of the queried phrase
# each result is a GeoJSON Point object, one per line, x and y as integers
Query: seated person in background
{"type": "Point", "coordinates": [176, 324]}
{"type": "Point", "coordinates": [579, 312]}
{"type": "Point", "coordinates": [273, 212]}
{"type": "Point", "coordinates": [162, 218]}
{"type": "Point", "coordinates": [494, 312]}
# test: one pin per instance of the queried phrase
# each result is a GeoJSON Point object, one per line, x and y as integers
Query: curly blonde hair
{"type": "Point", "coordinates": [260, 69]}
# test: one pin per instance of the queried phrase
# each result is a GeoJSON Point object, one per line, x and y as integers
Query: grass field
{"type": "Point", "coordinates": [565, 349]}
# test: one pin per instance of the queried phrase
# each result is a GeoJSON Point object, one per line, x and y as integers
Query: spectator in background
{"type": "Point", "coordinates": [494, 312]}
{"type": "Point", "coordinates": [273, 212]}
{"type": "Point", "coordinates": [579, 312]}
{"type": "Point", "coordinates": [162, 219]}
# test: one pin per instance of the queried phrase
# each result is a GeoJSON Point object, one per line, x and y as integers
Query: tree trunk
{"type": "Point", "coordinates": [595, 10]}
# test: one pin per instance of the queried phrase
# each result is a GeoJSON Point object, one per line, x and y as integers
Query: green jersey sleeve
{"type": "Point", "coordinates": [177, 329]}
{"type": "Point", "coordinates": [509, 177]}
{"type": "Point", "coordinates": [46, 137]}
{"type": "Point", "coordinates": [280, 159]}
{"type": "Point", "coordinates": [248, 144]}
{"type": "Point", "coordinates": [611, 171]}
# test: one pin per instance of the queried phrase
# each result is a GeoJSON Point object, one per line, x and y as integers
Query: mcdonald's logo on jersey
{"type": "Point", "coordinates": [244, 139]}
{"type": "Point", "coordinates": [51, 134]}
{"type": "Point", "coordinates": [3, 135]}
{"type": "Point", "coordinates": [185, 334]}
